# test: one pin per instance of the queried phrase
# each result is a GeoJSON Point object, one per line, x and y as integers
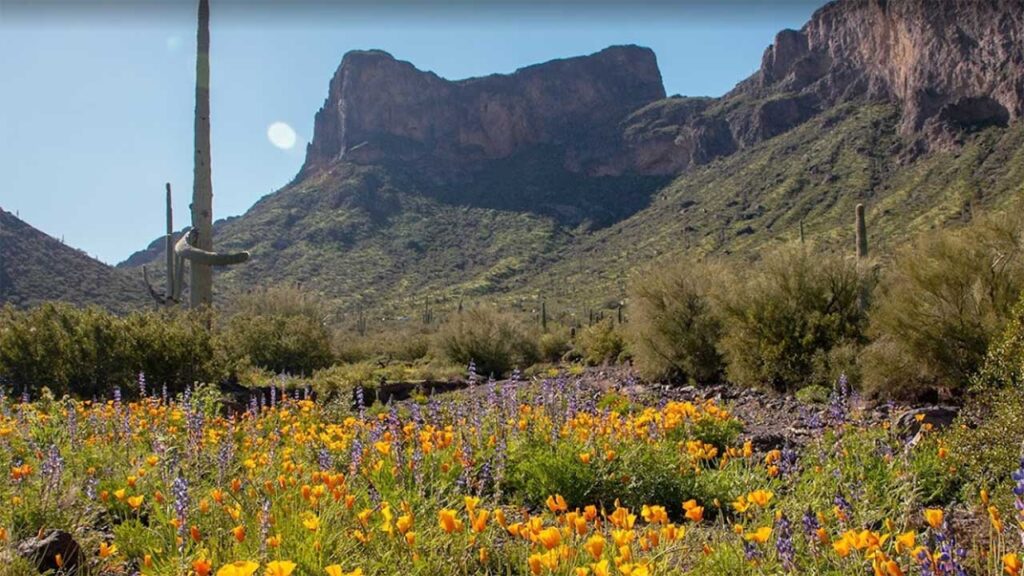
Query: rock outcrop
{"type": "Point", "coordinates": [381, 108]}
{"type": "Point", "coordinates": [952, 66]}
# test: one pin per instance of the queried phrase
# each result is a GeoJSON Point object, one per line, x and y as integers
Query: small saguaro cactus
{"type": "Point", "coordinates": [862, 233]}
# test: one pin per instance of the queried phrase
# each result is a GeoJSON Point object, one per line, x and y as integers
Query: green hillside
{"type": "Point", "coordinates": [381, 238]}
{"type": "Point", "coordinates": [740, 205]}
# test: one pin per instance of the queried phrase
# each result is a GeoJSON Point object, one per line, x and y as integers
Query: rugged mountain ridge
{"type": "Point", "coordinates": [35, 267]}
{"type": "Point", "coordinates": [418, 187]}
{"type": "Point", "coordinates": [382, 108]}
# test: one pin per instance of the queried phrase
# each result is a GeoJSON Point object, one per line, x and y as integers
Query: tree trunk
{"type": "Point", "coordinates": [201, 275]}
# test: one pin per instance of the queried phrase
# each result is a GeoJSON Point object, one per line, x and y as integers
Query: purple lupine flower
{"type": "Point", "coordinates": [789, 462]}
{"type": "Point", "coordinates": [324, 460]}
{"type": "Point", "coordinates": [180, 492]}
{"type": "Point", "coordinates": [373, 493]}
{"type": "Point", "coordinates": [25, 398]}
{"type": "Point", "coordinates": [472, 376]}
{"type": "Point", "coordinates": [273, 396]}
{"type": "Point", "coordinates": [90, 487]}
{"type": "Point", "coordinates": [355, 457]}
{"type": "Point", "coordinates": [750, 551]}
{"type": "Point", "coordinates": [194, 420]}
{"type": "Point", "coordinates": [52, 468]}
{"type": "Point", "coordinates": [784, 543]}
{"type": "Point", "coordinates": [360, 403]}
{"type": "Point", "coordinates": [434, 408]}
{"type": "Point", "coordinates": [117, 398]}
{"type": "Point", "coordinates": [1018, 496]}
{"type": "Point", "coordinates": [163, 393]}
{"type": "Point", "coordinates": [838, 406]}
{"type": "Point", "coordinates": [72, 424]}
{"type": "Point", "coordinates": [225, 455]}
{"type": "Point", "coordinates": [142, 384]}
{"type": "Point", "coordinates": [843, 504]}
{"type": "Point", "coordinates": [254, 407]}
{"type": "Point", "coordinates": [924, 562]}
{"type": "Point", "coordinates": [264, 525]}
{"type": "Point", "coordinates": [810, 525]}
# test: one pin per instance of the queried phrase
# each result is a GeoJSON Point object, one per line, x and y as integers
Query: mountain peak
{"type": "Point", "coordinates": [380, 108]}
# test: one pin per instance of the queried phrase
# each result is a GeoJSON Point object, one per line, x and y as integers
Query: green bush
{"type": "Point", "coordinates": [1004, 362]}
{"type": "Point", "coordinates": [985, 443]}
{"type": "Point", "coordinates": [552, 346]}
{"type": "Point", "coordinates": [784, 317]}
{"type": "Point", "coordinates": [280, 329]}
{"type": "Point", "coordinates": [944, 300]}
{"type": "Point", "coordinates": [601, 343]}
{"type": "Point", "coordinates": [642, 474]}
{"type": "Point", "coordinates": [673, 330]}
{"type": "Point", "coordinates": [86, 352]}
{"type": "Point", "coordinates": [494, 340]}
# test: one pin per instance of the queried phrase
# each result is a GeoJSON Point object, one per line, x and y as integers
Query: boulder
{"type": "Point", "coordinates": [42, 551]}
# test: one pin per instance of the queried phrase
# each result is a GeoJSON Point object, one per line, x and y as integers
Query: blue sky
{"type": "Point", "coordinates": [96, 106]}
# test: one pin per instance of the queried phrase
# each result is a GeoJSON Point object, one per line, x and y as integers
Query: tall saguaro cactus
{"type": "Point", "coordinates": [201, 275]}
{"type": "Point", "coordinates": [862, 233]}
{"type": "Point", "coordinates": [196, 245]}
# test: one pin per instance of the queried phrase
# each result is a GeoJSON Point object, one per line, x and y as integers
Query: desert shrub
{"type": "Point", "coordinates": [176, 348]}
{"type": "Point", "coordinates": [407, 343]}
{"type": "Point", "coordinates": [601, 343]}
{"type": "Point", "coordinates": [494, 340]}
{"type": "Point", "coordinates": [551, 346]}
{"type": "Point", "coordinates": [280, 329]}
{"type": "Point", "coordinates": [88, 351]}
{"type": "Point", "coordinates": [941, 304]}
{"type": "Point", "coordinates": [985, 442]}
{"type": "Point", "coordinates": [673, 330]}
{"type": "Point", "coordinates": [1004, 362]}
{"type": "Point", "coordinates": [785, 316]}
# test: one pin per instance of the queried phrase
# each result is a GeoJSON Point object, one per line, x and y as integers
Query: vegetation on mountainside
{"type": "Point", "coordinates": [378, 238]}
{"type": "Point", "coordinates": [35, 268]}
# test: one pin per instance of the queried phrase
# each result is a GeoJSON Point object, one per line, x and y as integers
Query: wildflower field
{"type": "Point", "coordinates": [552, 476]}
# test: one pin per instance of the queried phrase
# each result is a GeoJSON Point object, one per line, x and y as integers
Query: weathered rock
{"type": "Point", "coordinates": [951, 65]}
{"type": "Point", "coordinates": [43, 551]}
{"type": "Point", "coordinates": [910, 421]}
{"type": "Point", "coordinates": [381, 108]}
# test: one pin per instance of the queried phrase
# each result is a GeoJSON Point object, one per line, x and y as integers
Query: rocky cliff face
{"type": "Point", "coordinates": [379, 108]}
{"type": "Point", "coordinates": [951, 65]}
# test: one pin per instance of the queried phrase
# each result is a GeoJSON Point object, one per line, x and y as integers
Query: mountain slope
{"type": "Point", "coordinates": [558, 180]}
{"type": "Point", "coordinates": [35, 267]}
{"type": "Point", "coordinates": [817, 173]}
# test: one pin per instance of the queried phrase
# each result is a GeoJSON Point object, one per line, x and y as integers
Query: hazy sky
{"type": "Point", "coordinates": [96, 103]}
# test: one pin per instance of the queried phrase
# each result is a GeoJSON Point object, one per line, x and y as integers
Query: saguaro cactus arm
{"type": "Point", "coordinates": [186, 250]}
